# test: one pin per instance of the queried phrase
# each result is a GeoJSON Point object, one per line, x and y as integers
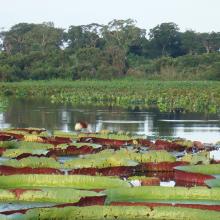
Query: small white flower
{"type": "Point", "coordinates": [135, 183]}
{"type": "Point", "coordinates": [168, 184]}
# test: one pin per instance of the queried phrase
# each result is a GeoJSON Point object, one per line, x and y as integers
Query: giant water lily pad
{"type": "Point", "coordinates": [145, 193]}
{"type": "Point", "coordinates": [210, 169]}
{"type": "Point", "coordinates": [16, 152]}
{"type": "Point", "coordinates": [99, 163]}
{"type": "Point", "coordinates": [52, 195]}
{"type": "Point", "coordinates": [198, 158]}
{"type": "Point", "coordinates": [75, 181]}
{"type": "Point", "coordinates": [213, 182]}
{"type": "Point", "coordinates": [33, 162]}
{"type": "Point", "coordinates": [120, 213]}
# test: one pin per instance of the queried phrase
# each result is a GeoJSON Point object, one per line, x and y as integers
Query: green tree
{"type": "Point", "coordinates": [210, 41]}
{"type": "Point", "coordinates": [122, 37]}
{"type": "Point", "coordinates": [44, 37]}
{"type": "Point", "coordinates": [191, 42]}
{"type": "Point", "coordinates": [84, 36]}
{"type": "Point", "coordinates": [14, 39]}
{"type": "Point", "coordinates": [122, 33]}
{"type": "Point", "coordinates": [24, 38]}
{"type": "Point", "coordinates": [166, 39]}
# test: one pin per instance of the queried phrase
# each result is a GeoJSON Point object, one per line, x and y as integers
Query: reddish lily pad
{"type": "Point", "coordinates": [121, 171]}
{"type": "Point", "coordinates": [56, 140]}
{"type": "Point", "coordinates": [188, 177]}
{"type": "Point", "coordinates": [73, 151]}
{"type": "Point", "coordinates": [84, 201]}
{"type": "Point", "coordinates": [13, 135]}
{"type": "Point", "coordinates": [162, 166]}
{"type": "Point", "coordinates": [19, 192]}
{"type": "Point", "coordinates": [7, 170]}
{"type": "Point", "coordinates": [166, 145]}
{"type": "Point", "coordinates": [2, 149]}
{"type": "Point", "coordinates": [5, 137]}
{"type": "Point", "coordinates": [25, 155]}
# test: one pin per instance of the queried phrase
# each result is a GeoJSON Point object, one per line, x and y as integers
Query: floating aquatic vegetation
{"type": "Point", "coordinates": [120, 212]}
{"type": "Point", "coordinates": [213, 182]}
{"type": "Point", "coordinates": [131, 172]}
{"type": "Point", "coordinates": [48, 195]}
{"type": "Point", "coordinates": [173, 204]}
{"type": "Point", "coordinates": [30, 130]}
{"type": "Point", "coordinates": [191, 179]}
{"type": "Point", "coordinates": [12, 153]}
{"type": "Point", "coordinates": [3, 104]}
{"type": "Point", "coordinates": [99, 162]}
{"type": "Point", "coordinates": [120, 171]}
{"type": "Point", "coordinates": [153, 156]}
{"type": "Point", "coordinates": [161, 166]}
{"type": "Point", "coordinates": [198, 158]}
{"type": "Point", "coordinates": [145, 193]}
{"type": "Point", "coordinates": [210, 169]}
{"type": "Point", "coordinates": [75, 149]}
{"type": "Point", "coordinates": [33, 162]}
{"type": "Point", "coordinates": [74, 181]}
{"type": "Point", "coordinates": [9, 170]}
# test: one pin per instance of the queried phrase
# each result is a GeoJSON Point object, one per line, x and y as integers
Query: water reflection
{"type": "Point", "coordinates": [41, 113]}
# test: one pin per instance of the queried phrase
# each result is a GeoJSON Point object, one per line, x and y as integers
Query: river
{"type": "Point", "coordinates": [42, 113]}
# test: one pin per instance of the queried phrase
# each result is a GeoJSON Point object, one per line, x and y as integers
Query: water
{"type": "Point", "coordinates": [41, 113]}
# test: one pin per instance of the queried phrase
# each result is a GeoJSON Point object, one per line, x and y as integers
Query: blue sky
{"type": "Point", "coordinates": [199, 15]}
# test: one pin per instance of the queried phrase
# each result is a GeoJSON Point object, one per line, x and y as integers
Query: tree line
{"type": "Point", "coordinates": [118, 49]}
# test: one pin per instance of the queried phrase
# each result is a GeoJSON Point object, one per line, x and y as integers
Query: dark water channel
{"type": "Point", "coordinates": [42, 113]}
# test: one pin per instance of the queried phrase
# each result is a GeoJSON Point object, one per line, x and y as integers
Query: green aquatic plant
{"type": "Point", "coordinates": [26, 131]}
{"type": "Point", "coordinates": [3, 104]}
{"type": "Point", "coordinates": [154, 156]}
{"type": "Point", "coordinates": [119, 212]}
{"type": "Point", "coordinates": [157, 156]}
{"type": "Point", "coordinates": [210, 169]}
{"type": "Point", "coordinates": [201, 157]}
{"type": "Point", "coordinates": [200, 96]}
{"type": "Point", "coordinates": [114, 136]}
{"type": "Point", "coordinates": [186, 143]}
{"type": "Point", "coordinates": [9, 144]}
{"type": "Point", "coordinates": [33, 162]}
{"type": "Point", "coordinates": [11, 153]}
{"type": "Point", "coordinates": [50, 195]}
{"type": "Point", "coordinates": [149, 193]}
{"type": "Point", "coordinates": [73, 181]}
{"type": "Point", "coordinates": [213, 183]}
{"type": "Point", "coordinates": [110, 161]}
{"type": "Point", "coordinates": [72, 135]}
{"type": "Point", "coordinates": [34, 145]}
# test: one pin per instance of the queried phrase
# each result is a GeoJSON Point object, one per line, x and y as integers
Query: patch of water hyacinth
{"type": "Point", "coordinates": [166, 96]}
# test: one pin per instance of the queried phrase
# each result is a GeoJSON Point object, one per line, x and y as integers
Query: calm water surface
{"type": "Point", "coordinates": [41, 113]}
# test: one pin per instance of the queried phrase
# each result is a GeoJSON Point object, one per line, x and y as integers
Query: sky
{"type": "Point", "coordinates": [198, 15]}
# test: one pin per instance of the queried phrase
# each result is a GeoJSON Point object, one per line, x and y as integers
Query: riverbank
{"type": "Point", "coordinates": [191, 96]}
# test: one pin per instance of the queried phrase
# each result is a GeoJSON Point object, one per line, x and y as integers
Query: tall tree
{"type": "Point", "coordinates": [210, 41]}
{"type": "Point", "coordinates": [120, 36]}
{"type": "Point", "coordinates": [166, 39]}
{"type": "Point", "coordinates": [122, 33]}
{"type": "Point", "coordinates": [13, 40]}
{"type": "Point", "coordinates": [84, 36]}
{"type": "Point", "coordinates": [44, 37]}
{"type": "Point", "coordinates": [191, 42]}
{"type": "Point", "coordinates": [24, 38]}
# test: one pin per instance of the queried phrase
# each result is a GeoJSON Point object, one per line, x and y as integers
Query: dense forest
{"type": "Point", "coordinates": [118, 49]}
